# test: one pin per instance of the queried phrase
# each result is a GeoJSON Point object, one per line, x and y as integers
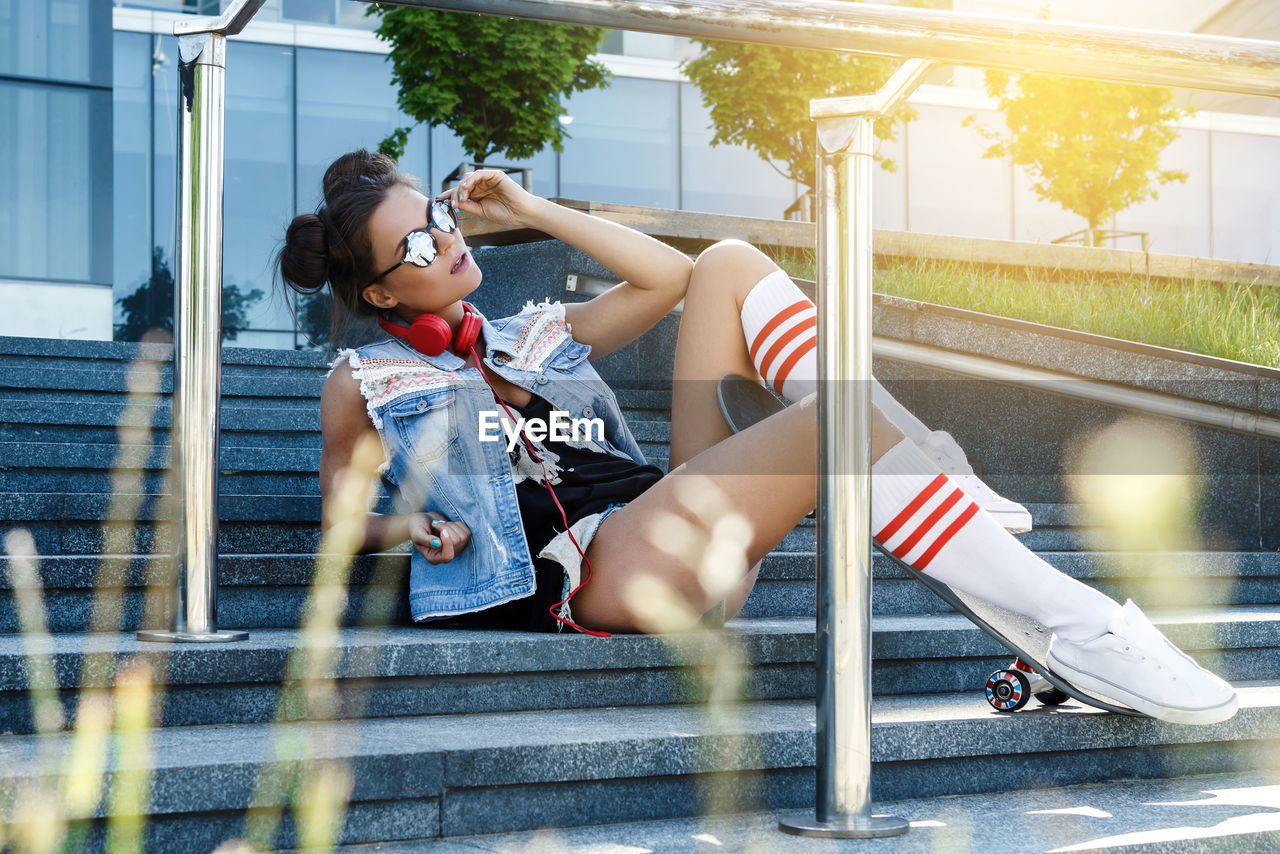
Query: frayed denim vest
{"type": "Point", "coordinates": [427, 411]}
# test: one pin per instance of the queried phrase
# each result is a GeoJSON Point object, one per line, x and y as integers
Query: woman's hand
{"type": "Point", "coordinates": [492, 195]}
{"type": "Point", "coordinates": [438, 539]}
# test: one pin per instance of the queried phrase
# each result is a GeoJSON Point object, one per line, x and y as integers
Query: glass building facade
{"type": "Point", "coordinates": [55, 162]}
{"type": "Point", "coordinates": [87, 157]}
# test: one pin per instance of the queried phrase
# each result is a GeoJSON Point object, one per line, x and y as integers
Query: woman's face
{"type": "Point", "coordinates": [410, 290]}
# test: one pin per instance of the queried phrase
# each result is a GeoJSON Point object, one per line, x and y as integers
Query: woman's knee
{"type": "Point", "coordinates": [732, 262]}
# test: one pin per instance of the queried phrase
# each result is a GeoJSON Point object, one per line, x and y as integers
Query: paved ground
{"type": "Point", "coordinates": [1227, 812]}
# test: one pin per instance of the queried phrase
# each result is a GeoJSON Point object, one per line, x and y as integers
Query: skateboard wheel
{"type": "Point", "coordinates": [1008, 690]}
{"type": "Point", "coordinates": [1051, 697]}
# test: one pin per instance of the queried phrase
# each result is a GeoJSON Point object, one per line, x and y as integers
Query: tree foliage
{"type": "Point", "coordinates": [1091, 147]}
{"type": "Point", "coordinates": [759, 97]}
{"type": "Point", "coordinates": [151, 305]}
{"type": "Point", "coordinates": [315, 316]}
{"type": "Point", "coordinates": [497, 83]}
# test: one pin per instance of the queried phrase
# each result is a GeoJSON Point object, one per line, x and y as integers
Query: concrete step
{"type": "Point", "coordinates": [106, 456]}
{"type": "Point", "coordinates": [457, 775]}
{"type": "Point", "coordinates": [72, 523]}
{"type": "Point", "coordinates": [1171, 579]}
{"type": "Point", "coordinates": [85, 505]}
{"type": "Point", "coordinates": [1204, 814]}
{"type": "Point", "coordinates": [52, 421]}
{"type": "Point", "coordinates": [289, 386]}
{"type": "Point", "coordinates": [404, 670]}
{"type": "Point", "coordinates": [36, 467]}
{"type": "Point", "coordinates": [67, 353]}
{"type": "Point", "coordinates": [289, 383]}
{"type": "Point", "coordinates": [271, 589]}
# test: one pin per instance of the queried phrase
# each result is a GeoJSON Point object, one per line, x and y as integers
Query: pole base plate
{"type": "Point", "coordinates": [805, 823]}
{"type": "Point", "coordinates": [222, 636]}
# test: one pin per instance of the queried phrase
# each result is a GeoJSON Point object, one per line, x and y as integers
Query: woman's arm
{"type": "Point", "coordinates": [655, 275]}
{"type": "Point", "coordinates": [344, 426]}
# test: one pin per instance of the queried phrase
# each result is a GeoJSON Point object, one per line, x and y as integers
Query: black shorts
{"type": "Point", "coordinates": [530, 614]}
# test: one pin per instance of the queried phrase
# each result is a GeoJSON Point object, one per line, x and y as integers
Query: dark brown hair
{"type": "Point", "coordinates": [331, 246]}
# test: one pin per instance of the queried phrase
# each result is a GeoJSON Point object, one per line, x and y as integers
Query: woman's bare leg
{"type": "Point", "coordinates": [780, 488]}
{"type": "Point", "coordinates": [767, 472]}
{"type": "Point", "coordinates": [711, 344]}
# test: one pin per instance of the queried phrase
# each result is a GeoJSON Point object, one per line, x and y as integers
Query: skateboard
{"type": "Point", "coordinates": [743, 401]}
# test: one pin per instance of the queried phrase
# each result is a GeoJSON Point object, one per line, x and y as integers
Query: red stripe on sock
{"type": "Point", "coordinates": [927, 525]}
{"type": "Point", "coordinates": [916, 503]}
{"type": "Point", "coordinates": [781, 344]}
{"type": "Point", "coordinates": [778, 320]}
{"type": "Point", "coordinates": [799, 353]}
{"type": "Point", "coordinates": [946, 536]}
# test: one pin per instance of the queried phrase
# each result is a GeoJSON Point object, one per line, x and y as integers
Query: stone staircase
{"type": "Point", "coordinates": [448, 733]}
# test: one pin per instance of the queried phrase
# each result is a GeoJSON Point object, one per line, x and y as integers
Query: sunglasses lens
{"type": "Point", "coordinates": [442, 216]}
{"type": "Point", "coordinates": [421, 248]}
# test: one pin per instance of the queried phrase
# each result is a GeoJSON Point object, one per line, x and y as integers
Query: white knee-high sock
{"type": "Point", "coordinates": [781, 329]}
{"type": "Point", "coordinates": [780, 324]}
{"type": "Point", "coordinates": [910, 426]}
{"type": "Point", "coordinates": [925, 520]}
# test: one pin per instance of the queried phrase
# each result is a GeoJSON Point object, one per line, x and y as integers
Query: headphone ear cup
{"type": "Point", "coordinates": [468, 329]}
{"type": "Point", "coordinates": [429, 334]}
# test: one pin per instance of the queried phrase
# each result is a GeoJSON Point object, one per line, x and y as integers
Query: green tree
{"type": "Point", "coordinates": [497, 83]}
{"type": "Point", "coordinates": [313, 314]}
{"type": "Point", "coordinates": [1091, 147]}
{"type": "Point", "coordinates": [151, 305]}
{"type": "Point", "coordinates": [759, 97]}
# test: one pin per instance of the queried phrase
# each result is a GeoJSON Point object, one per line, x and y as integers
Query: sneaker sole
{"type": "Point", "coordinates": [1116, 694]}
{"type": "Point", "coordinates": [1012, 521]}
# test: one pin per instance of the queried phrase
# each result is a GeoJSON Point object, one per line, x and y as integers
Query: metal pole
{"type": "Point", "coordinates": [846, 148]}
{"type": "Point", "coordinates": [1122, 55]}
{"type": "Point", "coordinates": [197, 324]}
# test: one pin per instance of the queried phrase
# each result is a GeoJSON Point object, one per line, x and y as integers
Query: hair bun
{"type": "Point", "coordinates": [304, 258]}
{"type": "Point", "coordinates": [333, 244]}
{"type": "Point", "coordinates": [355, 168]}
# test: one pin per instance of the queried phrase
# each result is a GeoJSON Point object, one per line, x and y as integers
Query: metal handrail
{"type": "Point", "coordinates": [1153, 57]}
{"type": "Point", "coordinates": [197, 323]}
{"type": "Point", "coordinates": [231, 22]}
{"type": "Point", "coordinates": [1215, 415]}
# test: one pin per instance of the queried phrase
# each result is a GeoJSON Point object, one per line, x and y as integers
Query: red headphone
{"type": "Point", "coordinates": [430, 333]}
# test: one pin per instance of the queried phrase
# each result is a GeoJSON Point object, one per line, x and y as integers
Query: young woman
{"type": "Point", "coordinates": [489, 539]}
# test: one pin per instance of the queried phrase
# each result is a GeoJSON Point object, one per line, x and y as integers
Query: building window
{"type": "Point", "coordinates": [55, 174]}
{"type": "Point", "coordinates": [625, 146]}
{"type": "Point", "coordinates": [64, 40]}
{"type": "Point", "coordinates": [55, 183]}
{"type": "Point", "coordinates": [346, 101]}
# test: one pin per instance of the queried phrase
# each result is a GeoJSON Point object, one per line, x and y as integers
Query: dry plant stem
{"type": "Point", "coordinates": [712, 550]}
{"type": "Point", "coordinates": [37, 644]}
{"type": "Point", "coordinates": [131, 783]}
{"type": "Point", "coordinates": [310, 690]}
{"type": "Point", "coordinates": [43, 819]}
{"type": "Point", "coordinates": [87, 760]}
{"type": "Point", "coordinates": [86, 765]}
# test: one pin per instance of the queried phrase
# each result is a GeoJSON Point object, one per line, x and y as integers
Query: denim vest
{"type": "Point", "coordinates": [427, 411]}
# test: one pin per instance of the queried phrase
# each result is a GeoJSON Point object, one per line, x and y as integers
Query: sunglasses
{"type": "Point", "coordinates": [420, 244]}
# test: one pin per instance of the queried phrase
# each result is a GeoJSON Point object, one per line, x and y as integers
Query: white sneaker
{"type": "Point", "coordinates": [1134, 665]}
{"type": "Point", "coordinates": [941, 447]}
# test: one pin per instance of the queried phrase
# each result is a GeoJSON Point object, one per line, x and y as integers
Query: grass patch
{"type": "Point", "coordinates": [1238, 321]}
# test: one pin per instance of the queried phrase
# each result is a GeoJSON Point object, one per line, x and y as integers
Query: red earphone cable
{"type": "Point", "coordinates": [564, 516]}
